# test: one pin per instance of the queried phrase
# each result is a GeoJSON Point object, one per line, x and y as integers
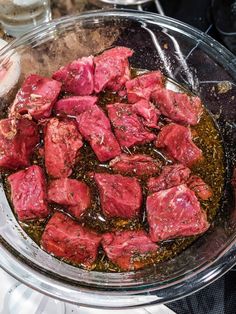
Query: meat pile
{"type": "Point", "coordinates": [55, 116]}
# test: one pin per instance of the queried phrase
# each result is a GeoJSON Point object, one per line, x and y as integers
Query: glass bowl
{"type": "Point", "coordinates": [195, 61]}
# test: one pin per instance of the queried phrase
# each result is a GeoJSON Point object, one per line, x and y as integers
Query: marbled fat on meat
{"type": "Point", "coordinates": [18, 139]}
{"type": "Point", "coordinates": [148, 113]}
{"type": "Point", "coordinates": [142, 86]}
{"type": "Point", "coordinates": [62, 142]}
{"type": "Point", "coordinates": [36, 97]}
{"type": "Point", "coordinates": [175, 212]}
{"type": "Point", "coordinates": [77, 77]}
{"type": "Point", "coordinates": [112, 69]}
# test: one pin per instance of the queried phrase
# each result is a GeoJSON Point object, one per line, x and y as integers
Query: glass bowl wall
{"type": "Point", "coordinates": [182, 53]}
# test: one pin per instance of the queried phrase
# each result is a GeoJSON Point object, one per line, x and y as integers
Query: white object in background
{"type": "Point", "coordinates": [16, 298]}
{"type": "Point", "coordinates": [24, 2]}
{"type": "Point", "coordinates": [9, 70]}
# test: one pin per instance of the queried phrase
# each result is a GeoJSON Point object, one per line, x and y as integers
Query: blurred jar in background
{"type": "Point", "coordinates": [20, 16]}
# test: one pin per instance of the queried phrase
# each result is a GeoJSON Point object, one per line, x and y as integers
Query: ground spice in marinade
{"type": "Point", "coordinates": [205, 135]}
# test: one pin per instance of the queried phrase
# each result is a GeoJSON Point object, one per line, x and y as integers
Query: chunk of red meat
{"type": "Point", "coordinates": [175, 212]}
{"type": "Point", "coordinates": [66, 191]}
{"type": "Point", "coordinates": [71, 193]}
{"type": "Point", "coordinates": [28, 193]}
{"type": "Point", "coordinates": [142, 86]}
{"type": "Point", "coordinates": [138, 165]}
{"type": "Point", "coordinates": [77, 77]}
{"type": "Point", "coordinates": [64, 238]}
{"type": "Point", "coordinates": [129, 130]}
{"type": "Point", "coordinates": [201, 189]}
{"type": "Point", "coordinates": [17, 141]}
{"type": "Point", "coordinates": [62, 142]}
{"type": "Point", "coordinates": [178, 107]}
{"type": "Point", "coordinates": [177, 141]}
{"type": "Point", "coordinates": [36, 97]}
{"type": "Point", "coordinates": [148, 112]}
{"type": "Point", "coordinates": [120, 196]}
{"type": "Point", "coordinates": [118, 83]}
{"type": "Point", "coordinates": [127, 248]}
{"type": "Point", "coordinates": [112, 69]}
{"type": "Point", "coordinates": [96, 129]}
{"type": "Point", "coordinates": [75, 105]}
{"type": "Point", "coordinates": [170, 176]}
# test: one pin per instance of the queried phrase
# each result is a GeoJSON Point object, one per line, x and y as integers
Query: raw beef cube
{"type": "Point", "coordinates": [175, 212]}
{"type": "Point", "coordinates": [28, 193]}
{"type": "Point", "coordinates": [201, 189]}
{"type": "Point", "coordinates": [148, 112]}
{"type": "Point", "coordinates": [127, 248]}
{"type": "Point", "coordinates": [170, 176]}
{"type": "Point", "coordinates": [77, 77]}
{"type": "Point", "coordinates": [178, 107]}
{"type": "Point", "coordinates": [71, 193]}
{"type": "Point", "coordinates": [112, 69]}
{"type": "Point", "coordinates": [138, 165]}
{"type": "Point", "coordinates": [75, 105]}
{"type": "Point", "coordinates": [17, 141]}
{"type": "Point", "coordinates": [120, 196]}
{"type": "Point", "coordinates": [62, 142]}
{"type": "Point", "coordinates": [129, 130]}
{"type": "Point", "coordinates": [64, 238]}
{"type": "Point", "coordinates": [96, 129]}
{"type": "Point", "coordinates": [36, 97]}
{"type": "Point", "coordinates": [118, 84]}
{"type": "Point", "coordinates": [142, 86]}
{"type": "Point", "coordinates": [177, 141]}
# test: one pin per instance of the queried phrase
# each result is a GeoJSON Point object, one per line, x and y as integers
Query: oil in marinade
{"type": "Point", "coordinates": [210, 169]}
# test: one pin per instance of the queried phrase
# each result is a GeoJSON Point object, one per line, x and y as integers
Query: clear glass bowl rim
{"type": "Point", "coordinates": [194, 281]}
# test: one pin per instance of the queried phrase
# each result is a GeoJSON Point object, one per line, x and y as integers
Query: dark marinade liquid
{"type": "Point", "coordinates": [211, 169]}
